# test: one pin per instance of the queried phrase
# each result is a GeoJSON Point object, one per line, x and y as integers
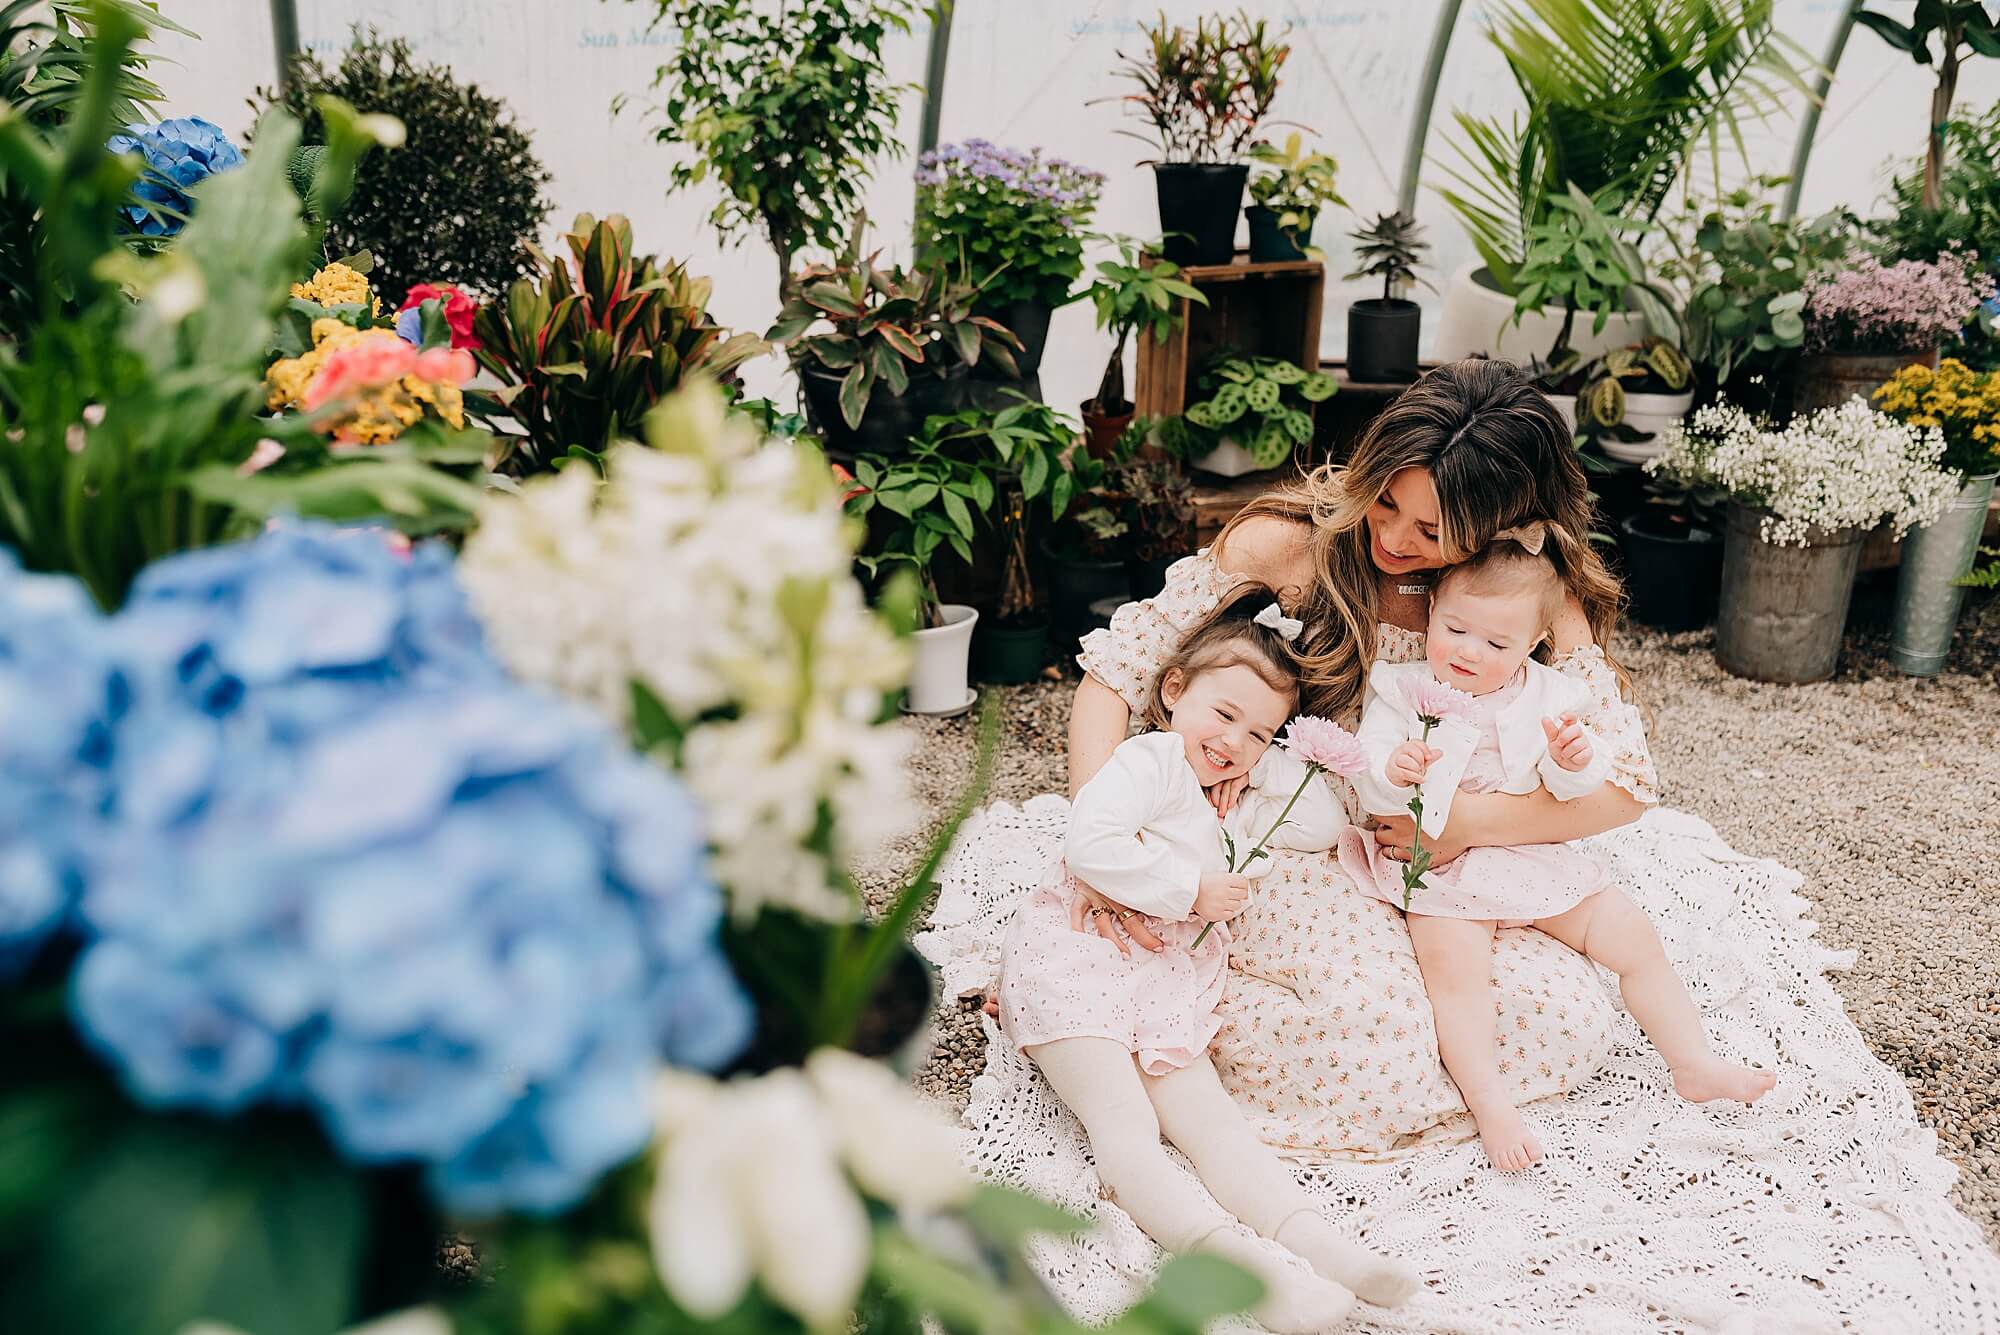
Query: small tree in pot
{"type": "Point", "coordinates": [1203, 92]}
{"type": "Point", "coordinates": [1136, 291]}
{"type": "Point", "coordinates": [1382, 332]}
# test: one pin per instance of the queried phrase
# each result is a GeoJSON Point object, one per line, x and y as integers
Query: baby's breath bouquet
{"type": "Point", "coordinates": [1842, 467]}
{"type": "Point", "coordinates": [1962, 403]}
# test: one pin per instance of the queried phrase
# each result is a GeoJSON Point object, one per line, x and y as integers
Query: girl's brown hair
{"type": "Point", "coordinates": [1505, 567]}
{"type": "Point", "coordinates": [1498, 454]}
{"type": "Point", "coordinates": [1229, 636]}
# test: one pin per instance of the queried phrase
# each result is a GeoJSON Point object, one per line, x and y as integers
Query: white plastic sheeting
{"type": "Point", "coordinates": [1021, 72]}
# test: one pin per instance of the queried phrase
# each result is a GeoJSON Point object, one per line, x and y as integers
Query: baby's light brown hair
{"type": "Point", "coordinates": [1229, 636]}
{"type": "Point", "coordinates": [1505, 567]}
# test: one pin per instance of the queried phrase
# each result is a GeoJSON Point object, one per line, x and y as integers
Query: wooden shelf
{"type": "Point", "coordinates": [1260, 310]}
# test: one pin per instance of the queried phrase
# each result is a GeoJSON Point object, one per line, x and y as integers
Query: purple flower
{"type": "Point", "coordinates": [1903, 307]}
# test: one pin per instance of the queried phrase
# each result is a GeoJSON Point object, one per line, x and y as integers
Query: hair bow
{"type": "Point", "coordinates": [1274, 618]}
{"type": "Point", "coordinates": [1529, 535]}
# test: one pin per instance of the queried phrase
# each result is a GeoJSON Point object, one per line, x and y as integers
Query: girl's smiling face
{"type": "Point", "coordinates": [1225, 718]}
{"type": "Point", "coordinates": [1403, 525]}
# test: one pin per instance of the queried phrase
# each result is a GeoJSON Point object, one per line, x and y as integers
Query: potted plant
{"type": "Point", "coordinates": [585, 347]}
{"type": "Point", "coordinates": [1869, 320]}
{"type": "Point", "coordinates": [890, 347]}
{"type": "Point", "coordinates": [1800, 499]}
{"type": "Point", "coordinates": [1382, 333]}
{"type": "Point", "coordinates": [1254, 412]}
{"type": "Point", "coordinates": [1289, 195]}
{"type": "Point", "coordinates": [1671, 545]}
{"type": "Point", "coordinates": [1965, 406]}
{"type": "Point", "coordinates": [1631, 395]}
{"type": "Point", "coordinates": [1203, 93]}
{"type": "Point", "coordinates": [1668, 74]}
{"type": "Point", "coordinates": [1138, 290]}
{"type": "Point", "coordinates": [932, 498]}
{"type": "Point", "coordinates": [1137, 510]}
{"type": "Point", "coordinates": [1014, 222]}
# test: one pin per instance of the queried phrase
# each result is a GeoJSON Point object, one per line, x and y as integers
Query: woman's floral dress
{"type": "Point", "coordinates": [1327, 1037]}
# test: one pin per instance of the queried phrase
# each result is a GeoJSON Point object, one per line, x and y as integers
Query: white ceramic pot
{"type": "Point", "coordinates": [938, 676]}
{"type": "Point", "coordinates": [1479, 318]}
{"type": "Point", "coordinates": [1227, 460]}
{"type": "Point", "coordinates": [1651, 414]}
{"type": "Point", "coordinates": [1565, 409]}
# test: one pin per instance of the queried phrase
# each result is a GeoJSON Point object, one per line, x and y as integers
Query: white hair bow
{"type": "Point", "coordinates": [1289, 627]}
{"type": "Point", "coordinates": [1530, 535]}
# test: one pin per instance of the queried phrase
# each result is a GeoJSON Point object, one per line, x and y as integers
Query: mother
{"type": "Point", "coordinates": [1327, 1037]}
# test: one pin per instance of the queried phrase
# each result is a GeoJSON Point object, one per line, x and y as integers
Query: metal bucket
{"type": "Point", "coordinates": [1830, 378]}
{"type": "Point", "coordinates": [1783, 608]}
{"type": "Point", "coordinates": [1927, 591]}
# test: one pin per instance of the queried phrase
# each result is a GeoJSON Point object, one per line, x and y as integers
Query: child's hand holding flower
{"type": "Point", "coordinates": [1409, 763]}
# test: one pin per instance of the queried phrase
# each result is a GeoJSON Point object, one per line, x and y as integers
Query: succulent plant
{"type": "Point", "coordinates": [592, 341]}
{"type": "Point", "coordinates": [1391, 248]}
{"type": "Point", "coordinates": [1262, 403]}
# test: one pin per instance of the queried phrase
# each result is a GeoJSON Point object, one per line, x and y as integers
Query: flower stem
{"type": "Point", "coordinates": [1312, 772]}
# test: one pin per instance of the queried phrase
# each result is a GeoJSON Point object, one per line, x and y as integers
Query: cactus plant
{"type": "Point", "coordinates": [1264, 404]}
{"type": "Point", "coordinates": [588, 344]}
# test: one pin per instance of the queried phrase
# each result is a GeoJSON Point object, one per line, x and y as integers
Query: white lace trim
{"type": "Point", "coordinates": [1821, 1209]}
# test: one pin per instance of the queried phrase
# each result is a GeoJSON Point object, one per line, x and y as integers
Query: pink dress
{"type": "Point", "coordinates": [1509, 886]}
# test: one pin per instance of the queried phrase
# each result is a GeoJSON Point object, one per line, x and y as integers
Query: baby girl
{"type": "Point", "coordinates": [1516, 732]}
{"type": "Point", "coordinates": [1124, 1039]}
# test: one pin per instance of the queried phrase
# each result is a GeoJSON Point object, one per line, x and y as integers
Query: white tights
{"type": "Point", "coordinates": [1124, 1111]}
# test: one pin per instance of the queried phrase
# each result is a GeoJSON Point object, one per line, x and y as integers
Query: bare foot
{"type": "Point", "coordinates": [1509, 1143]}
{"type": "Point", "coordinates": [991, 1006]}
{"type": "Point", "coordinates": [1713, 1078]}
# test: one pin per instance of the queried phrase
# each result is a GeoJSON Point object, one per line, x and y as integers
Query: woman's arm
{"type": "Point", "coordinates": [1098, 718]}
{"type": "Point", "coordinates": [1481, 820]}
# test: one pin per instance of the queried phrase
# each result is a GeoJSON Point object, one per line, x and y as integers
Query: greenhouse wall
{"type": "Point", "coordinates": [1031, 72]}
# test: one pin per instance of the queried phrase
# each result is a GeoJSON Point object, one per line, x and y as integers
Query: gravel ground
{"type": "Point", "coordinates": [1884, 790]}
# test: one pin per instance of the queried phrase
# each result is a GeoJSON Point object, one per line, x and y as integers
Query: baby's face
{"type": "Point", "coordinates": [1226, 718]}
{"type": "Point", "coordinates": [1477, 642]}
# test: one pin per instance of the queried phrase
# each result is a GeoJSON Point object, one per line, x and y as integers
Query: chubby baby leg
{"type": "Point", "coordinates": [1611, 929]}
{"type": "Point", "coordinates": [1252, 1183]}
{"type": "Point", "coordinates": [1100, 1083]}
{"type": "Point", "coordinates": [1456, 957]}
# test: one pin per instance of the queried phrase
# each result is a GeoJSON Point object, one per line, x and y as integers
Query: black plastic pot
{"type": "Point", "coordinates": [1673, 570]}
{"type": "Point", "coordinates": [1272, 244]}
{"type": "Point", "coordinates": [1027, 321]}
{"type": "Point", "coordinates": [889, 420]}
{"type": "Point", "coordinates": [1074, 584]}
{"type": "Point", "coordinates": [1382, 340]}
{"type": "Point", "coordinates": [1009, 653]}
{"type": "Point", "coordinates": [1147, 575]}
{"type": "Point", "coordinates": [1199, 202]}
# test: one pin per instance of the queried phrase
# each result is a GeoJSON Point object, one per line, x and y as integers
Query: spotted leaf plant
{"type": "Point", "coordinates": [1263, 404]}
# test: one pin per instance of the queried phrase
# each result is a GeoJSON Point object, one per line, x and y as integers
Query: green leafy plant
{"type": "Point", "coordinates": [1652, 367]}
{"type": "Point", "coordinates": [1264, 404]}
{"type": "Point", "coordinates": [1132, 506]}
{"type": "Point", "coordinates": [460, 203]}
{"type": "Point", "coordinates": [129, 419]}
{"type": "Point", "coordinates": [1012, 220]}
{"type": "Point", "coordinates": [1967, 212]}
{"type": "Point", "coordinates": [585, 347]}
{"type": "Point", "coordinates": [786, 116]}
{"type": "Point", "coordinates": [44, 50]}
{"type": "Point", "coordinates": [1578, 260]}
{"type": "Point", "coordinates": [1940, 32]}
{"type": "Point", "coordinates": [1204, 91]}
{"type": "Point", "coordinates": [1620, 94]}
{"type": "Point", "coordinates": [938, 500]}
{"type": "Point", "coordinates": [1295, 185]}
{"type": "Point", "coordinates": [883, 326]}
{"type": "Point", "coordinates": [1140, 290]}
{"type": "Point", "coordinates": [1390, 248]}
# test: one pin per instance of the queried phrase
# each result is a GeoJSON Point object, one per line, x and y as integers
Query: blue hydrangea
{"type": "Point", "coordinates": [349, 864]}
{"type": "Point", "coordinates": [60, 698]}
{"type": "Point", "coordinates": [179, 155]}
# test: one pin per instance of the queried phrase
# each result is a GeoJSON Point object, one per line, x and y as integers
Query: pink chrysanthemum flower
{"type": "Point", "coordinates": [1434, 702]}
{"type": "Point", "coordinates": [1325, 744]}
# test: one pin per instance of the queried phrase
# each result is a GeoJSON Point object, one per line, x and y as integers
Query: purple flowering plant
{"type": "Point", "coordinates": [1908, 306]}
{"type": "Point", "coordinates": [1015, 218]}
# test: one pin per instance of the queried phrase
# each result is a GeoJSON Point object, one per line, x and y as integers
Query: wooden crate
{"type": "Point", "coordinates": [1262, 310]}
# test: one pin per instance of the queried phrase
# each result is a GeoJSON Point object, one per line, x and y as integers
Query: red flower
{"type": "Point", "coordinates": [458, 310]}
{"type": "Point", "coordinates": [842, 476]}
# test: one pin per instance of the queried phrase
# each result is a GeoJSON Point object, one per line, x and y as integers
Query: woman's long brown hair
{"type": "Point", "coordinates": [1499, 456]}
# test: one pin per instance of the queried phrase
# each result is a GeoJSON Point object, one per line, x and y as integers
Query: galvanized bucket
{"type": "Point", "coordinates": [1783, 608]}
{"type": "Point", "coordinates": [1927, 590]}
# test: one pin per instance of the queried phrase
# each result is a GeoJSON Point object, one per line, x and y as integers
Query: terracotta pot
{"type": "Point", "coordinates": [1830, 378]}
{"type": "Point", "coordinates": [1102, 430]}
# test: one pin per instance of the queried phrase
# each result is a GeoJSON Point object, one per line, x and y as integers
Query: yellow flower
{"type": "Point", "coordinates": [338, 285]}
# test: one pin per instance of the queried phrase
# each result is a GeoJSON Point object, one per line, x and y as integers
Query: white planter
{"type": "Point", "coordinates": [1480, 319]}
{"type": "Point", "coordinates": [1651, 414]}
{"type": "Point", "coordinates": [938, 676]}
{"type": "Point", "coordinates": [1565, 409]}
{"type": "Point", "coordinates": [1227, 460]}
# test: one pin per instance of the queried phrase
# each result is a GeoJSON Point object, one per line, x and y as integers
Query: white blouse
{"type": "Point", "coordinates": [1142, 831]}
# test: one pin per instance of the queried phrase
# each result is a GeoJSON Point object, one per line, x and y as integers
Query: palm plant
{"type": "Point", "coordinates": [1621, 95]}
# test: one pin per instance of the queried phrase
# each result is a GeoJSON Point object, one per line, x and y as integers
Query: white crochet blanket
{"type": "Point", "coordinates": [1821, 1209]}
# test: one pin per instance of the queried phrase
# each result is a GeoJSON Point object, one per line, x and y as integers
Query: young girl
{"type": "Point", "coordinates": [1123, 1038]}
{"type": "Point", "coordinates": [1520, 732]}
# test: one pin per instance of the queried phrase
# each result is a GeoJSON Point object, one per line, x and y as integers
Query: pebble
{"type": "Point", "coordinates": [1884, 790]}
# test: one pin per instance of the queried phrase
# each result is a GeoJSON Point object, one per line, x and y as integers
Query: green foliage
{"type": "Point", "coordinates": [1390, 249]}
{"type": "Point", "coordinates": [1967, 215]}
{"type": "Point", "coordinates": [460, 203]}
{"type": "Point", "coordinates": [1018, 239]}
{"type": "Point", "coordinates": [1140, 290]}
{"type": "Point", "coordinates": [935, 497]}
{"type": "Point", "coordinates": [1131, 506]}
{"type": "Point", "coordinates": [1263, 404]}
{"type": "Point", "coordinates": [1986, 576]}
{"type": "Point", "coordinates": [1620, 95]}
{"type": "Point", "coordinates": [44, 51]}
{"type": "Point", "coordinates": [586, 346]}
{"type": "Point", "coordinates": [884, 326]}
{"type": "Point", "coordinates": [1654, 366]}
{"type": "Point", "coordinates": [787, 117]}
{"type": "Point", "coordinates": [1203, 92]}
{"type": "Point", "coordinates": [1296, 185]}
{"type": "Point", "coordinates": [1578, 261]}
{"type": "Point", "coordinates": [1744, 281]}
